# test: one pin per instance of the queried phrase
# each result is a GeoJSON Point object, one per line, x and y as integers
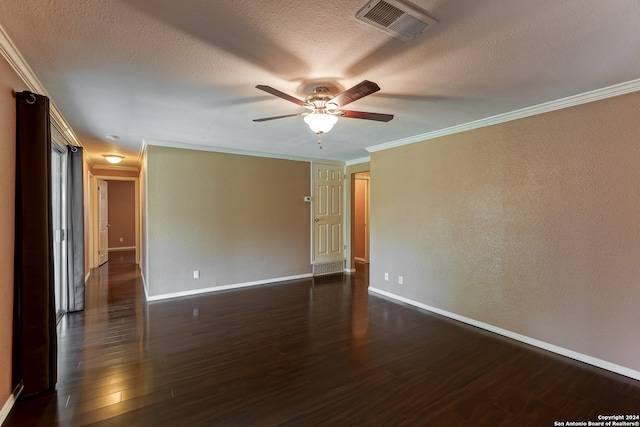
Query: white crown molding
{"type": "Point", "coordinates": [116, 168]}
{"type": "Point", "coordinates": [15, 59]}
{"type": "Point", "coordinates": [143, 146]}
{"type": "Point", "coordinates": [187, 146]}
{"type": "Point", "coordinates": [571, 101]}
{"type": "Point", "coordinates": [358, 161]}
{"type": "Point", "coordinates": [18, 63]}
{"type": "Point", "coordinates": [622, 370]}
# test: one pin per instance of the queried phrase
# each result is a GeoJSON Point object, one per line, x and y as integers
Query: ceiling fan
{"type": "Point", "coordinates": [325, 109]}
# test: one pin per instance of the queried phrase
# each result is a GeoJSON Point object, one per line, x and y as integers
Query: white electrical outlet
{"type": "Point", "coordinates": [122, 239]}
{"type": "Point", "coordinates": [196, 274]}
{"type": "Point", "coordinates": [400, 280]}
{"type": "Point", "coordinates": [386, 276]}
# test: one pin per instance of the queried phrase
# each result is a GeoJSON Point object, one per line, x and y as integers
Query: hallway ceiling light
{"type": "Point", "coordinates": [112, 158]}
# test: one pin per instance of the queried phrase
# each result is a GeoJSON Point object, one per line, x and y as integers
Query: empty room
{"type": "Point", "coordinates": [373, 213]}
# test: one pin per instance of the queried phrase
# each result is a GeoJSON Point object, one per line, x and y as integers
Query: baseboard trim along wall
{"type": "Point", "coordinates": [224, 287]}
{"type": "Point", "coordinates": [631, 373]}
{"type": "Point", "coordinates": [8, 405]}
{"type": "Point", "coordinates": [4, 413]}
{"type": "Point", "coordinates": [123, 248]}
{"type": "Point", "coordinates": [144, 283]}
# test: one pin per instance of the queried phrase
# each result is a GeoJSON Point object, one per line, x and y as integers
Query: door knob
{"type": "Point", "coordinates": [317, 220]}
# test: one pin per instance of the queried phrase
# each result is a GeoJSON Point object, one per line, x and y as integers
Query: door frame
{"type": "Point", "coordinates": [103, 222]}
{"type": "Point", "coordinates": [60, 235]}
{"type": "Point", "coordinates": [366, 214]}
{"type": "Point", "coordinates": [94, 221]}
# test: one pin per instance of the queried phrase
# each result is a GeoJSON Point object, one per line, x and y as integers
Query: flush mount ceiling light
{"type": "Point", "coordinates": [112, 158]}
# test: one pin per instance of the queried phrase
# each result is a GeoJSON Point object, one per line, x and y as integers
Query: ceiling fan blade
{"type": "Point", "coordinates": [378, 117]}
{"type": "Point", "coordinates": [360, 90]}
{"type": "Point", "coordinates": [277, 117]}
{"type": "Point", "coordinates": [280, 94]}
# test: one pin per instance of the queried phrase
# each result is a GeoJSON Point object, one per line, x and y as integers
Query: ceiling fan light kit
{"type": "Point", "coordinates": [320, 122]}
{"type": "Point", "coordinates": [326, 109]}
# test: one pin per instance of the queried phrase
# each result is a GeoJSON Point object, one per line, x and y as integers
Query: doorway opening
{"type": "Point", "coordinates": [360, 191]}
{"type": "Point", "coordinates": [115, 217]}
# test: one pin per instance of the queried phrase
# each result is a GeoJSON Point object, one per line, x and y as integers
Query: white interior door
{"type": "Point", "coordinates": [103, 218]}
{"type": "Point", "coordinates": [328, 182]}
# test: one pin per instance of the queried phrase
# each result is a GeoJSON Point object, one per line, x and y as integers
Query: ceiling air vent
{"type": "Point", "coordinates": [395, 18]}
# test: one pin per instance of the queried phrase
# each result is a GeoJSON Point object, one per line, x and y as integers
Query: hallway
{"type": "Point", "coordinates": [300, 353]}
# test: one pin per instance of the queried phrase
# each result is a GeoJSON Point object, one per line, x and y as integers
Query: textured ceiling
{"type": "Point", "coordinates": [183, 73]}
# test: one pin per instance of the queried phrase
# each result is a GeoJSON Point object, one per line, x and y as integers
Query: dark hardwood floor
{"type": "Point", "coordinates": [302, 353]}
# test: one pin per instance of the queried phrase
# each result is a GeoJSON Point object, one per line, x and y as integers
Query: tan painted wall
{"type": "Point", "coordinates": [122, 199]}
{"type": "Point", "coordinates": [532, 226]}
{"type": "Point", "coordinates": [9, 83]}
{"type": "Point", "coordinates": [236, 219]}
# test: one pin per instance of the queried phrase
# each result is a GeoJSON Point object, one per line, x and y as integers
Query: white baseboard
{"type": "Point", "coordinates": [123, 248]}
{"type": "Point", "coordinates": [8, 405]}
{"type": "Point", "coordinates": [224, 287]}
{"type": "Point", "coordinates": [4, 413]}
{"type": "Point", "coordinates": [144, 283]}
{"type": "Point", "coordinates": [622, 370]}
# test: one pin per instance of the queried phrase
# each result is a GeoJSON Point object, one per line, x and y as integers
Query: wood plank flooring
{"type": "Point", "coordinates": [301, 353]}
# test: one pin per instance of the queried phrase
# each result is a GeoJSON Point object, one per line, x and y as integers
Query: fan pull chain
{"type": "Point", "coordinates": [320, 140]}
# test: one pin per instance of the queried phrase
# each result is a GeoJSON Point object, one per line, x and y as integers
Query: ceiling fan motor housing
{"type": "Point", "coordinates": [319, 99]}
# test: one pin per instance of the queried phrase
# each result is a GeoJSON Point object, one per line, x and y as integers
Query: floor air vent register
{"type": "Point", "coordinates": [328, 268]}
